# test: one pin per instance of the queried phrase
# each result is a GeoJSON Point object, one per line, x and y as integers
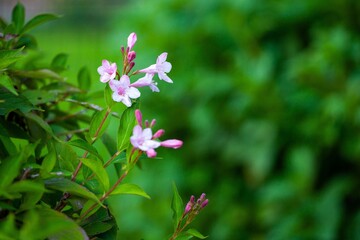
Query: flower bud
{"type": "Point", "coordinates": [131, 56]}
{"type": "Point", "coordinates": [153, 122]}
{"type": "Point", "coordinates": [172, 143]}
{"type": "Point", "coordinates": [158, 134]}
{"type": "Point", "coordinates": [204, 203]}
{"type": "Point", "coordinates": [138, 116]}
{"type": "Point", "coordinates": [131, 40]}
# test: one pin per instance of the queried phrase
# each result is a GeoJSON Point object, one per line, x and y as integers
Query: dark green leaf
{"type": "Point", "coordinates": [97, 228]}
{"type": "Point", "coordinates": [80, 143]}
{"type": "Point", "coordinates": [39, 121]}
{"type": "Point", "coordinates": [129, 188]}
{"type": "Point", "coordinates": [9, 102]}
{"type": "Point", "coordinates": [37, 20]}
{"type": "Point", "coordinates": [98, 169]}
{"type": "Point", "coordinates": [18, 16]}
{"type": "Point", "coordinates": [8, 57]}
{"type": "Point", "coordinates": [89, 204]}
{"type": "Point", "coordinates": [195, 233]}
{"type": "Point", "coordinates": [6, 82]}
{"type": "Point", "coordinates": [46, 223]}
{"type": "Point", "coordinates": [66, 185]}
{"type": "Point", "coordinates": [67, 157]}
{"type": "Point", "coordinates": [177, 206]}
{"type": "Point", "coordinates": [84, 79]}
{"type": "Point", "coordinates": [98, 124]}
{"type": "Point", "coordinates": [127, 123]}
{"type": "Point", "coordinates": [26, 186]}
{"type": "Point", "coordinates": [10, 167]}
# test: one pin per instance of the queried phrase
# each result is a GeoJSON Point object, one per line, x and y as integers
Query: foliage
{"type": "Point", "coordinates": [54, 183]}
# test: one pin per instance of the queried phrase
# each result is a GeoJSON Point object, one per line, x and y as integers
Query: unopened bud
{"type": "Point", "coordinates": [138, 116]}
{"type": "Point", "coordinates": [153, 122]}
{"type": "Point", "coordinates": [172, 143]}
{"type": "Point", "coordinates": [131, 56]}
{"type": "Point", "coordinates": [202, 197]}
{"type": "Point", "coordinates": [131, 40]}
{"type": "Point", "coordinates": [204, 203]}
{"type": "Point", "coordinates": [158, 134]}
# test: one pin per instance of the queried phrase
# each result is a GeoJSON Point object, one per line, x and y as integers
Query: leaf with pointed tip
{"type": "Point", "coordinates": [37, 20]}
{"type": "Point", "coordinates": [6, 82]}
{"type": "Point", "coordinates": [8, 57]}
{"type": "Point", "coordinates": [66, 185]}
{"type": "Point", "coordinates": [177, 206]}
{"type": "Point", "coordinates": [18, 16]}
{"type": "Point", "coordinates": [59, 62]}
{"type": "Point", "coordinates": [98, 169]}
{"type": "Point", "coordinates": [80, 143]}
{"type": "Point", "coordinates": [84, 79]}
{"type": "Point", "coordinates": [98, 124]}
{"type": "Point", "coordinates": [129, 188]}
{"type": "Point", "coordinates": [127, 123]}
{"type": "Point", "coordinates": [195, 233]}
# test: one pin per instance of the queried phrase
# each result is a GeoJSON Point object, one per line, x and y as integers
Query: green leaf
{"type": "Point", "coordinates": [37, 97]}
{"type": "Point", "coordinates": [37, 20]}
{"type": "Point", "coordinates": [97, 228]}
{"type": "Point", "coordinates": [66, 156]}
{"type": "Point", "coordinates": [127, 123]}
{"type": "Point", "coordinates": [177, 206]}
{"type": "Point", "coordinates": [87, 206]}
{"type": "Point", "coordinates": [129, 188]}
{"type": "Point", "coordinates": [9, 102]}
{"type": "Point", "coordinates": [18, 16]}
{"type": "Point", "coordinates": [7, 228]}
{"type": "Point", "coordinates": [84, 79]}
{"type": "Point", "coordinates": [8, 57]}
{"type": "Point", "coordinates": [38, 74]}
{"type": "Point", "coordinates": [10, 167]}
{"type": "Point", "coordinates": [195, 233]}
{"type": "Point", "coordinates": [26, 186]}
{"type": "Point", "coordinates": [59, 62]}
{"type": "Point", "coordinates": [98, 124]}
{"type": "Point", "coordinates": [98, 170]}
{"type": "Point", "coordinates": [46, 223]}
{"type": "Point", "coordinates": [44, 125]}
{"type": "Point", "coordinates": [80, 143]}
{"type": "Point", "coordinates": [7, 83]}
{"type": "Point", "coordinates": [66, 185]}
{"type": "Point", "coordinates": [108, 96]}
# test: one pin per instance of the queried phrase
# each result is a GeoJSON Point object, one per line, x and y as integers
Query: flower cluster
{"type": "Point", "coordinates": [195, 206]}
{"type": "Point", "coordinates": [123, 89]}
{"type": "Point", "coordinates": [146, 141]}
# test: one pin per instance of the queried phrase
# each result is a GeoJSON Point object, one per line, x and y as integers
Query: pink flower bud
{"type": "Point", "coordinates": [122, 49]}
{"type": "Point", "coordinates": [192, 199]}
{"type": "Point", "coordinates": [147, 123]}
{"type": "Point", "coordinates": [172, 143]}
{"type": "Point", "coordinates": [153, 122]}
{"type": "Point", "coordinates": [202, 197]}
{"type": "Point", "coordinates": [131, 56]}
{"type": "Point", "coordinates": [138, 116]}
{"type": "Point", "coordinates": [158, 134]}
{"type": "Point", "coordinates": [131, 40]}
{"type": "Point", "coordinates": [188, 208]}
{"type": "Point", "coordinates": [204, 203]}
{"type": "Point", "coordinates": [151, 153]}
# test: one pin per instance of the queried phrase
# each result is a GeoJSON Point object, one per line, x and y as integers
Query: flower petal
{"type": "Point", "coordinates": [161, 58]}
{"type": "Point", "coordinates": [133, 92]}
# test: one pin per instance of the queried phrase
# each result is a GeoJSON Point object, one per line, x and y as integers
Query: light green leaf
{"type": "Point", "coordinates": [80, 143]}
{"type": "Point", "coordinates": [129, 188]}
{"type": "Point", "coordinates": [8, 57]}
{"type": "Point", "coordinates": [177, 206]}
{"type": "Point", "coordinates": [127, 123]}
{"type": "Point", "coordinates": [18, 16]}
{"type": "Point", "coordinates": [98, 124]}
{"type": "Point", "coordinates": [84, 79]}
{"type": "Point", "coordinates": [195, 233]}
{"type": "Point", "coordinates": [26, 186]}
{"type": "Point", "coordinates": [37, 97]}
{"type": "Point", "coordinates": [66, 156]}
{"type": "Point", "coordinates": [7, 83]}
{"type": "Point", "coordinates": [108, 96]}
{"type": "Point", "coordinates": [97, 167]}
{"type": "Point", "coordinates": [7, 228]}
{"type": "Point", "coordinates": [37, 20]}
{"type": "Point", "coordinates": [66, 185]}
{"type": "Point", "coordinates": [59, 62]}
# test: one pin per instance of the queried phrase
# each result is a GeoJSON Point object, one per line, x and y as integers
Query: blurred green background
{"type": "Point", "coordinates": [266, 97]}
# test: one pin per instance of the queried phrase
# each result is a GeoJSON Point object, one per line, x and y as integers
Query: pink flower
{"type": "Point", "coordinates": [123, 91]}
{"type": "Point", "coordinates": [131, 40]}
{"type": "Point", "coordinates": [107, 71]}
{"type": "Point", "coordinates": [145, 81]}
{"type": "Point", "coordinates": [142, 139]}
{"type": "Point", "coordinates": [161, 68]}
